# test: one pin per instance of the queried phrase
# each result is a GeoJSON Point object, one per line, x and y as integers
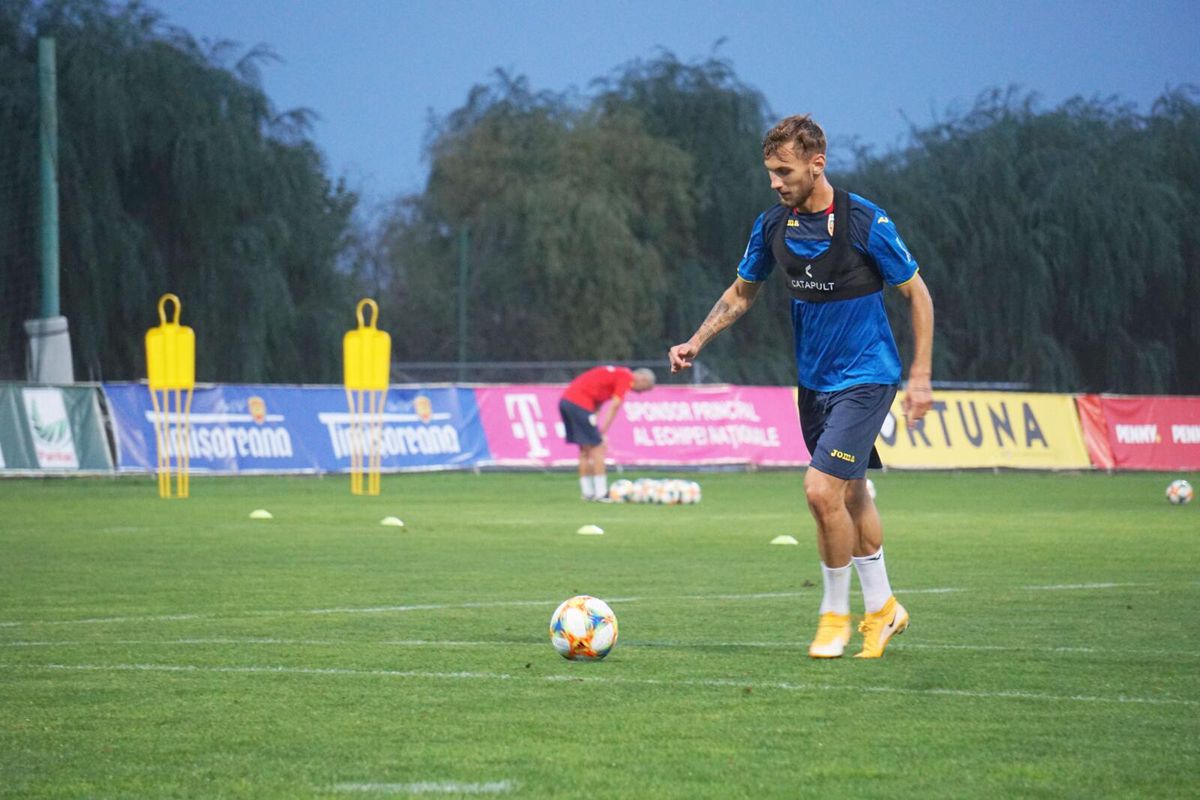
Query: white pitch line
{"type": "Point", "coordinates": [177, 642]}
{"type": "Point", "coordinates": [906, 645]}
{"type": "Point", "coordinates": [648, 643]}
{"type": "Point", "coordinates": [408, 608]}
{"type": "Point", "coordinates": [400, 609]}
{"type": "Point", "coordinates": [428, 787]}
{"type": "Point", "coordinates": [260, 641]}
{"type": "Point", "coordinates": [1072, 586]}
{"type": "Point", "coordinates": [102, 620]}
{"type": "Point", "coordinates": [698, 682]}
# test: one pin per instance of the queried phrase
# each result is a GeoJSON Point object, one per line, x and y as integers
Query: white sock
{"type": "Point", "coordinates": [872, 575]}
{"type": "Point", "coordinates": [601, 484]}
{"type": "Point", "coordinates": [837, 590]}
{"type": "Point", "coordinates": [585, 486]}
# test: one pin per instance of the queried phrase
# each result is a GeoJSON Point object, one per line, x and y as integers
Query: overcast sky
{"type": "Point", "coordinates": [373, 70]}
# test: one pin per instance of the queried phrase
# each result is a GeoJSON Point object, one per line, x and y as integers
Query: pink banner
{"type": "Point", "coordinates": [1157, 433]}
{"type": "Point", "coordinates": [669, 425]}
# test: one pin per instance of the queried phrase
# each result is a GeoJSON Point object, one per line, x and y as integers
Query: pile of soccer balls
{"type": "Point", "coordinates": [668, 492]}
{"type": "Point", "coordinates": [1179, 492]}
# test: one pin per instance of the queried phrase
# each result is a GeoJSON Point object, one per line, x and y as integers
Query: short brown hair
{"type": "Point", "coordinates": [799, 130]}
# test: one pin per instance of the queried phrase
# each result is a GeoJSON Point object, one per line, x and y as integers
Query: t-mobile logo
{"type": "Point", "coordinates": [525, 413]}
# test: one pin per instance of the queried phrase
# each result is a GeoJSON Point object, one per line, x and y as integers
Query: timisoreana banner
{"type": "Point", "coordinates": [987, 429]}
{"type": "Point", "coordinates": [280, 429]}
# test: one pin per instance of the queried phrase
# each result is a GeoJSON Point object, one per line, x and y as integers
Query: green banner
{"type": "Point", "coordinates": [52, 429]}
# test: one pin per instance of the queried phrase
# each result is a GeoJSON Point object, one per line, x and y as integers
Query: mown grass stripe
{"type": "Point", "coordinates": [697, 682]}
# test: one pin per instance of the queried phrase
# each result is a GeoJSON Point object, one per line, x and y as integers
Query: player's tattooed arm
{"type": "Point", "coordinates": [719, 318]}
{"type": "Point", "coordinates": [736, 300]}
{"type": "Point", "coordinates": [732, 304]}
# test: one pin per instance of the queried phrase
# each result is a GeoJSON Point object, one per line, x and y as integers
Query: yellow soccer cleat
{"type": "Point", "coordinates": [833, 632]}
{"type": "Point", "coordinates": [878, 628]}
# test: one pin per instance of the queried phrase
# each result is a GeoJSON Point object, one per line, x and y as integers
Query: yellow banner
{"type": "Point", "coordinates": [987, 429]}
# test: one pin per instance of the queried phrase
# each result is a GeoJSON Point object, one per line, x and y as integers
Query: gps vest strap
{"type": "Point", "coordinates": [840, 273]}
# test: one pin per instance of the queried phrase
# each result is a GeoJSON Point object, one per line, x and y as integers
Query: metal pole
{"type": "Point", "coordinates": [48, 146]}
{"type": "Point", "coordinates": [463, 245]}
{"type": "Point", "coordinates": [49, 335]}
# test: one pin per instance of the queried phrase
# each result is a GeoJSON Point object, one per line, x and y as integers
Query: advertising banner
{"type": "Point", "coordinates": [258, 429]}
{"type": "Point", "coordinates": [51, 429]}
{"type": "Point", "coordinates": [1095, 432]}
{"type": "Point", "coordinates": [986, 429]}
{"type": "Point", "coordinates": [692, 425]}
{"type": "Point", "coordinates": [1153, 433]}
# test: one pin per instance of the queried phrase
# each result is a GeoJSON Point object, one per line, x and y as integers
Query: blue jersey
{"type": "Point", "coordinates": [839, 343]}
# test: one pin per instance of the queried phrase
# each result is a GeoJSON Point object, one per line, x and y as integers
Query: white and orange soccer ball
{"type": "Point", "coordinates": [671, 492]}
{"type": "Point", "coordinates": [620, 490]}
{"type": "Point", "coordinates": [1179, 492]}
{"type": "Point", "coordinates": [583, 629]}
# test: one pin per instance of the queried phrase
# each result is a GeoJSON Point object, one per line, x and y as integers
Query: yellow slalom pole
{"type": "Point", "coordinates": [161, 470]}
{"type": "Point", "coordinates": [376, 442]}
{"type": "Point", "coordinates": [354, 441]}
{"type": "Point", "coordinates": [185, 454]}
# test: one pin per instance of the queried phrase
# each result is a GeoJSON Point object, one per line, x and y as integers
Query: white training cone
{"type": "Point", "coordinates": [261, 513]}
{"type": "Point", "coordinates": [393, 522]}
{"type": "Point", "coordinates": [591, 530]}
{"type": "Point", "coordinates": [784, 539]}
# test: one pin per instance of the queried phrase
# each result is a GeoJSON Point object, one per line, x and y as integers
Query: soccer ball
{"type": "Point", "coordinates": [620, 490]}
{"type": "Point", "coordinates": [1179, 492]}
{"type": "Point", "coordinates": [583, 629]}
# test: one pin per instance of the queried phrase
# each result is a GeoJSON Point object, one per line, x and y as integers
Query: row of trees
{"type": "Point", "coordinates": [1056, 243]}
{"type": "Point", "coordinates": [175, 174]}
{"type": "Point", "coordinates": [1059, 245]}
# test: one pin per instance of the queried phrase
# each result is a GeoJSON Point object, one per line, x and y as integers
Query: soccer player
{"type": "Point", "coordinates": [837, 251]}
{"type": "Point", "coordinates": [581, 400]}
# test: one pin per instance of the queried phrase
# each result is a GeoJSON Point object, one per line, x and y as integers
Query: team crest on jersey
{"type": "Point", "coordinates": [829, 224]}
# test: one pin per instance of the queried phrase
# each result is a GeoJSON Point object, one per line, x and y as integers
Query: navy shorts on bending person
{"type": "Point", "coordinates": [578, 423]}
{"type": "Point", "coordinates": [840, 427]}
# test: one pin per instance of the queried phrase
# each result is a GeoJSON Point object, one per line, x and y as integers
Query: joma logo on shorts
{"type": "Point", "coordinates": [842, 456]}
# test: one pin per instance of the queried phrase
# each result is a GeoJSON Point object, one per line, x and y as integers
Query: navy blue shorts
{"type": "Point", "coordinates": [578, 423]}
{"type": "Point", "coordinates": [840, 427]}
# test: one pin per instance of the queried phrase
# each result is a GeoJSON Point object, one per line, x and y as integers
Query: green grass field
{"type": "Point", "coordinates": [153, 648]}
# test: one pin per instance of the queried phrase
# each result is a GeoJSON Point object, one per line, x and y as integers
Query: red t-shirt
{"type": "Point", "coordinates": [598, 385]}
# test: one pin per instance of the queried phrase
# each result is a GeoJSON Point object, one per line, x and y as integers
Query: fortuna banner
{"type": "Point", "coordinates": [986, 429]}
